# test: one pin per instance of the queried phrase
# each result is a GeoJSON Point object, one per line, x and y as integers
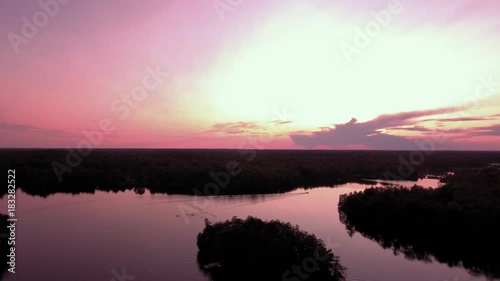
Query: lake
{"type": "Point", "coordinates": [89, 236]}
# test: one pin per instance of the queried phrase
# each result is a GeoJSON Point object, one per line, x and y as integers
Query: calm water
{"type": "Point", "coordinates": [85, 237]}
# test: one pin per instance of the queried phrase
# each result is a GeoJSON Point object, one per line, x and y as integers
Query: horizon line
{"type": "Point", "coordinates": [273, 149]}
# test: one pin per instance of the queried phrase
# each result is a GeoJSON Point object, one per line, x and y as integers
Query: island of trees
{"type": "Point", "coordinates": [253, 249]}
{"type": "Point", "coordinates": [457, 224]}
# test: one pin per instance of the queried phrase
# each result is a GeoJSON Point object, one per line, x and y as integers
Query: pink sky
{"type": "Point", "coordinates": [236, 67]}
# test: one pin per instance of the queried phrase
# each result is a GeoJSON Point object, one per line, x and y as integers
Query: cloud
{"type": "Point", "coordinates": [233, 127]}
{"type": "Point", "coordinates": [459, 119]}
{"type": "Point", "coordinates": [493, 130]}
{"type": "Point", "coordinates": [413, 128]}
{"type": "Point", "coordinates": [248, 128]}
{"type": "Point", "coordinates": [16, 128]}
{"type": "Point", "coordinates": [282, 122]}
{"type": "Point", "coordinates": [368, 134]}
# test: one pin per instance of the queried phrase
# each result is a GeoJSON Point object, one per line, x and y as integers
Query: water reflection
{"type": "Point", "coordinates": [145, 234]}
{"type": "Point", "coordinates": [456, 224]}
{"type": "Point", "coordinates": [478, 262]}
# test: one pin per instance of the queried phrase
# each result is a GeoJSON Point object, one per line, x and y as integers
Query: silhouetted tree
{"type": "Point", "coordinates": [253, 249]}
{"type": "Point", "coordinates": [4, 247]}
{"type": "Point", "coordinates": [178, 171]}
{"type": "Point", "coordinates": [458, 223]}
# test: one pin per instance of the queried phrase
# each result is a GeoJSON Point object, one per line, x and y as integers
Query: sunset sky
{"type": "Point", "coordinates": [228, 73]}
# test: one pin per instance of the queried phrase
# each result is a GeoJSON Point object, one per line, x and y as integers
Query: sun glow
{"type": "Point", "coordinates": [299, 65]}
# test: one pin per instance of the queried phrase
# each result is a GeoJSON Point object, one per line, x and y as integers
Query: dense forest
{"type": "Point", "coordinates": [457, 224]}
{"type": "Point", "coordinates": [235, 172]}
{"type": "Point", "coordinates": [253, 249]}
